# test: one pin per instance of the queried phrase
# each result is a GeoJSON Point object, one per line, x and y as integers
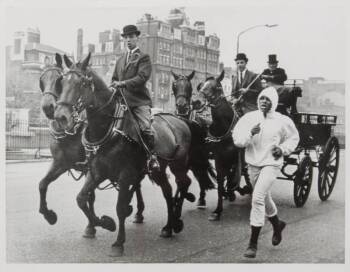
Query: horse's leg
{"type": "Point", "coordinates": [183, 182]}
{"type": "Point", "coordinates": [162, 180]}
{"type": "Point", "coordinates": [215, 216]}
{"type": "Point", "coordinates": [90, 230]}
{"type": "Point", "coordinates": [200, 167]}
{"type": "Point", "coordinates": [140, 205]}
{"type": "Point", "coordinates": [200, 175]}
{"type": "Point", "coordinates": [82, 200]}
{"type": "Point", "coordinates": [54, 172]}
{"type": "Point", "coordinates": [234, 176]}
{"type": "Point", "coordinates": [124, 209]}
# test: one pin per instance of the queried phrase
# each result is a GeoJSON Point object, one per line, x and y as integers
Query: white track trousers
{"type": "Point", "coordinates": [262, 179]}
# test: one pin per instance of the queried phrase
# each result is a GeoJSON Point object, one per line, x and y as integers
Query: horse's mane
{"type": "Point", "coordinates": [98, 81]}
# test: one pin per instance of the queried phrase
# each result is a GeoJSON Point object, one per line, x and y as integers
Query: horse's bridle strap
{"type": "Point", "coordinates": [51, 93]}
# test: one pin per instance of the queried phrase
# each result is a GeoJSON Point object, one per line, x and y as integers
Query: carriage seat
{"type": "Point", "coordinates": [287, 103]}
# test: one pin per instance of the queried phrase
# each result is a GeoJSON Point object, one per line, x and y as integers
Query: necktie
{"type": "Point", "coordinates": [128, 57]}
{"type": "Point", "coordinates": [241, 78]}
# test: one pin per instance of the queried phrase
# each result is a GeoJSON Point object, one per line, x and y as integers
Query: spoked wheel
{"type": "Point", "coordinates": [328, 168]}
{"type": "Point", "coordinates": [302, 181]}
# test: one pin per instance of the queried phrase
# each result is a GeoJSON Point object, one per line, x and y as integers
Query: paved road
{"type": "Point", "coordinates": [314, 234]}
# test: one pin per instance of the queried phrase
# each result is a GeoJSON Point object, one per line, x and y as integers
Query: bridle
{"type": "Point", "coordinates": [80, 104]}
{"type": "Point", "coordinates": [186, 97]}
{"type": "Point", "coordinates": [86, 81]}
{"type": "Point", "coordinates": [213, 101]}
{"type": "Point", "coordinates": [49, 92]}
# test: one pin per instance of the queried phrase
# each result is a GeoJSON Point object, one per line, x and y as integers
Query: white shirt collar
{"type": "Point", "coordinates": [243, 72]}
{"type": "Point", "coordinates": [132, 51]}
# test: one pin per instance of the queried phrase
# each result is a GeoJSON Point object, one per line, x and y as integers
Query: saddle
{"type": "Point", "coordinates": [166, 144]}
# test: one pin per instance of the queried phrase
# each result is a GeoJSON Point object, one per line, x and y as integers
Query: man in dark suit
{"type": "Point", "coordinates": [274, 75]}
{"type": "Point", "coordinates": [132, 70]}
{"type": "Point", "coordinates": [245, 83]}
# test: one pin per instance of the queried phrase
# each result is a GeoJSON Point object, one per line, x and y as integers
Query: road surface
{"type": "Point", "coordinates": [314, 233]}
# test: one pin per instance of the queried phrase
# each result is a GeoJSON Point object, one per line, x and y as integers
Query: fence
{"type": "Point", "coordinates": [27, 140]}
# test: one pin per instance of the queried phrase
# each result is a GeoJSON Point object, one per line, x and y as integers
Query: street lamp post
{"type": "Point", "coordinates": [250, 28]}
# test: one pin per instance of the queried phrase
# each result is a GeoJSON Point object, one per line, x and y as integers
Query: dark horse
{"type": "Point", "coordinates": [115, 153]}
{"type": "Point", "coordinates": [66, 149]}
{"type": "Point", "coordinates": [199, 155]}
{"type": "Point", "coordinates": [226, 154]}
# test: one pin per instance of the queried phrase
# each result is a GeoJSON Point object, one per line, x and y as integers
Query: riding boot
{"type": "Point", "coordinates": [152, 162]}
{"type": "Point", "coordinates": [253, 243]}
{"type": "Point", "coordinates": [278, 226]}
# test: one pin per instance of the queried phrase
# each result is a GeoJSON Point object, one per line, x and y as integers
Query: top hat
{"type": "Point", "coordinates": [272, 59]}
{"type": "Point", "coordinates": [130, 29]}
{"type": "Point", "coordinates": [241, 56]}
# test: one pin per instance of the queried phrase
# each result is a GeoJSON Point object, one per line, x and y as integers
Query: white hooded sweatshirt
{"type": "Point", "coordinates": [276, 130]}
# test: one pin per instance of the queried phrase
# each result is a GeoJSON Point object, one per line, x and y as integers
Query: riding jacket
{"type": "Point", "coordinates": [134, 71]}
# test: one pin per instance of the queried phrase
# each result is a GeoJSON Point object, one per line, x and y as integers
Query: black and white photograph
{"type": "Point", "coordinates": [162, 132]}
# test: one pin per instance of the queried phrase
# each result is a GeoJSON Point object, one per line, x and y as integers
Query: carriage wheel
{"type": "Point", "coordinates": [328, 168]}
{"type": "Point", "coordinates": [302, 181]}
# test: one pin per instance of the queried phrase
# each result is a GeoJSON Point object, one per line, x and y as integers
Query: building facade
{"type": "Point", "coordinates": [173, 45]}
{"type": "Point", "coordinates": [104, 54]}
{"type": "Point", "coordinates": [26, 58]}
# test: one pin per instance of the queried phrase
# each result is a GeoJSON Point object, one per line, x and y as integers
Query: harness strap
{"type": "Point", "coordinates": [216, 139]}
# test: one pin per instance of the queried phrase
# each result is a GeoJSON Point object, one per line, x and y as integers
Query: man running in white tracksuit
{"type": "Point", "coordinates": [266, 135]}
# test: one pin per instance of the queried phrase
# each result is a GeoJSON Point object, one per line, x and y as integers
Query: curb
{"type": "Point", "coordinates": [27, 161]}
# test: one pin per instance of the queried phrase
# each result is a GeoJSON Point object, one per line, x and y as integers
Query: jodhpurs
{"type": "Point", "coordinates": [143, 118]}
{"type": "Point", "coordinates": [262, 179]}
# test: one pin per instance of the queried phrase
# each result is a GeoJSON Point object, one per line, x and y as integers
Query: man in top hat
{"type": "Point", "coordinates": [274, 75]}
{"type": "Point", "coordinates": [132, 70]}
{"type": "Point", "coordinates": [245, 83]}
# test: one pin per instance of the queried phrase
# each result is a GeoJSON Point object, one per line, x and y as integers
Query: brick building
{"type": "Point", "coordinates": [173, 45]}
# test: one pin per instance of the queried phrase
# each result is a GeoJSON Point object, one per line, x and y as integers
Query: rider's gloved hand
{"type": "Point", "coordinates": [118, 84]}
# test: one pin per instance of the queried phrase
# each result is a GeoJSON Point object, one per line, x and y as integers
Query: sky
{"type": "Point", "coordinates": [310, 39]}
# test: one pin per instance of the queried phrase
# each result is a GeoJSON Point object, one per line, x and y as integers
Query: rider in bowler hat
{"type": "Point", "coordinates": [132, 70]}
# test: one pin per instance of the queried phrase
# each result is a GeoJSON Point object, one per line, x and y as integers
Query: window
{"type": "Point", "coordinates": [17, 48]}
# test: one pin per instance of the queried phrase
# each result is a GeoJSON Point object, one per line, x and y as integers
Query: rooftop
{"type": "Point", "coordinates": [43, 48]}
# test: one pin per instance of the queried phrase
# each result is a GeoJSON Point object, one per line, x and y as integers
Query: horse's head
{"type": "Point", "coordinates": [210, 90]}
{"type": "Point", "coordinates": [50, 86]}
{"type": "Point", "coordinates": [76, 95]}
{"type": "Point", "coordinates": [182, 90]}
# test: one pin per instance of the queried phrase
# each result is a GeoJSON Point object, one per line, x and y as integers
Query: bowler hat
{"type": "Point", "coordinates": [272, 59]}
{"type": "Point", "coordinates": [241, 56]}
{"type": "Point", "coordinates": [130, 29]}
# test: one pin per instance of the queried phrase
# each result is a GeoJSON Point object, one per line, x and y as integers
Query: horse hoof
{"type": "Point", "coordinates": [129, 210]}
{"type": "Point", "coordinates": [166, 233]}
{"type": "Point", "coordinates": [89, 232]}
{"type": "Point", "coordinates": [247, 190]}
{"type": "Point", "coordinates": [108, 223]}
{"type": "Point", "coordinates": [201, 204]}
{"type": "Point", "coordinates": [190, 197]}
{"type": "Point", "coordinates": [178, 226]}
{"type": "Point", "coordinates": [138, 219]}
{"type": "Point", "coordinates": [116, 251]}
{"type": "Point", "coordinates": [231, 197]}
{"type": "Point", "coordinates": [214, 217]}
{"type": "Point", "coordinates": [51, 217]}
